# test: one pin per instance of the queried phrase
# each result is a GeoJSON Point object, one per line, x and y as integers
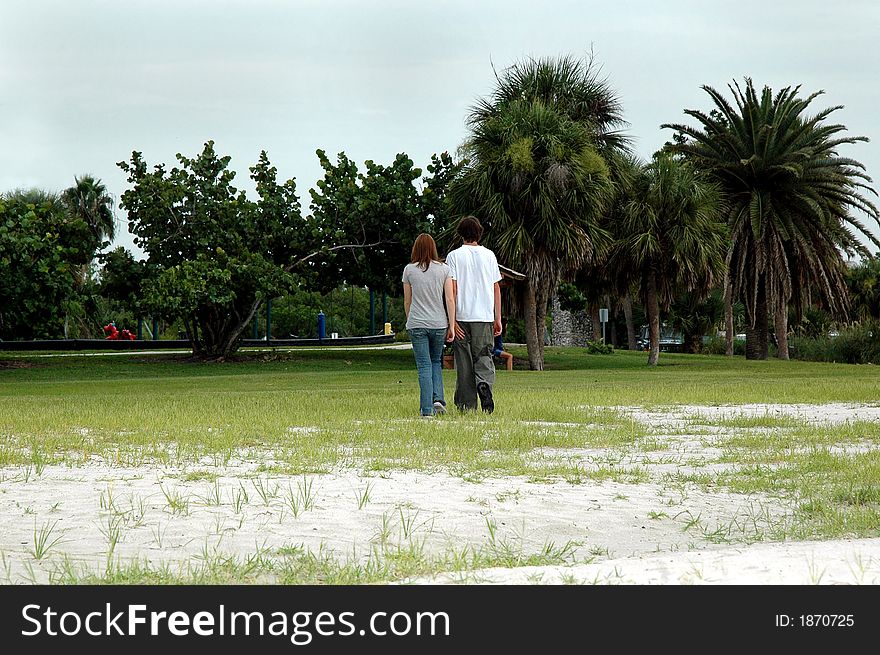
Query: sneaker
{"type": "Point", "coordinates": [439, 407]}
{"type": "Point", "coordinates": [484, 391]}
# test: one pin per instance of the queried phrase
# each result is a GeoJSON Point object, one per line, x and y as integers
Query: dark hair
{"type": "Point", "coordinates": [424, 251]}
{"type": "Point", "coordinates": [469, 229]}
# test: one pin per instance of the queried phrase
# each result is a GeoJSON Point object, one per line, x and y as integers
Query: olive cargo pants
{"type": "Point", "coordinates": [473, 362]}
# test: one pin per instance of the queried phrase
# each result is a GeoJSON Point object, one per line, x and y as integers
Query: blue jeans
{"type": "Point", "coordinates": [427, 345]}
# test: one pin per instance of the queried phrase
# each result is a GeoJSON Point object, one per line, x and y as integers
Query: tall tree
{"type": "Point", "coordinates": [615, 277]}
{"type": "Point", "coordinates": [89, 200]}
{"type": "Point", "coordinates": [121, 278]}
{"type": "Point", "coordinates": [863, 281]}
{"type": "Point", "coordinates": [536, 177]}
{"type": "Point", "coordinates": [674, 237]}
{"type": "Point", "coordinates": [378, 210]}
{"type": "Point", "coordinates": [43, 249]}
{"type": "Point", "coordinates": [218, 255]}
{"type": "Point", "coordinates": [793, 200]}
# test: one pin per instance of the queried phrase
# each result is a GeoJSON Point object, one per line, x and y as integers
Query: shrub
{"type": "Point", "coordinates": [858, 344]}
{"type": "Point", "coordinates": [718, 346]}
{"type": "Point", "coordinates": [599, 348]}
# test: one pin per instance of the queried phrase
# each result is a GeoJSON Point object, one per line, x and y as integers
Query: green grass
{"type": "Point", "coordinates": [298, 565]}
{"type": "Point", "coordinates": [314, 410]}
{"type": "Point", "coordinates": [311, 411]}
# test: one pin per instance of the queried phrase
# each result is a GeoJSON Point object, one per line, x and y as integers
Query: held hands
{"type": "Point", "coordinates": [497, 328]}
{"type": "Point", "coordinates": [459, 333]}
{"type": "Point", "coordinates": [450, 334]}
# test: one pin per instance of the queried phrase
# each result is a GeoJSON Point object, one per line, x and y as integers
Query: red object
{"type": "Point", "coordinates": [115, 335]}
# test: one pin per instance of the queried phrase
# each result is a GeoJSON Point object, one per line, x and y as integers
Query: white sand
{"type": "Point", "coordinates": [648, 533]}
{"type": "Point", "coordinates": [814, 562]}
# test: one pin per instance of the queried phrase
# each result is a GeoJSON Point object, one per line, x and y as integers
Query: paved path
{"type": "Point", "coordinates": [110, 353]}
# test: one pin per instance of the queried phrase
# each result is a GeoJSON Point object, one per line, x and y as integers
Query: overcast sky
{"type": "Point", "coordinates": [85, 82]}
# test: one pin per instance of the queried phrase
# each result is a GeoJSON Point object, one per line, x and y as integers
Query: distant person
{"type": "Point", "coordinates": [426, 281]}
{"type": "Point", "coordinates": [499, 352]}
{"type": "Point", "coordinates": [475, 276]}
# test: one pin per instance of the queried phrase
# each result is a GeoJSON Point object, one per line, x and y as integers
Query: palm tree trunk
{"type": "Point", "coordinates": [536, 361]}
{"type": "Point", "coordinates": [612, 326]}
{"type": "Point", "coordinates": [596, 323]}
{"type": "Point", "coordinates": [757, 334]}
{"type": "Point", "coordinates": [728, 317]}
{"type": "Point", "coordinates": [541, 300]}
{"type": "Point", "coordinates": [630, 326]}
{"type": "Point", "coordinates": [781, 326]}
{"type": "Point", "coordinates": [652, 307]}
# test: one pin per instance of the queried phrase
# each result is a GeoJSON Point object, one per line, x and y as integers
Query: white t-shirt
{"type": "Point", "coordinates": [475, 271]}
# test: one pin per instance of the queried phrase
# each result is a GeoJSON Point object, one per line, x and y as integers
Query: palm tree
{"type": "Point", "coordinates": [791, 201]}
{"type": "Point", "coordinates": [673, 237]}
{"type": "Point", "coordinates": [537, 176]}
{"type": "Point", "coordinates": [863, 281]}
{"type": "Point", "coordinates": [615, 277]}
{"type": "Point", "coordinates": [568, 85]}
{"type": "Point", "coordinates": [89, 200]}
{"type": "Point", "coordinates": [534, 177]}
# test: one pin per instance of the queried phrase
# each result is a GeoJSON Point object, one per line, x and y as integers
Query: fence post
{"type": "Point", "coordinates": [268, 320]}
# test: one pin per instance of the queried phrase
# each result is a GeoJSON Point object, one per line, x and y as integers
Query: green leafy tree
{"type": "Point", "coordinates": [535, 176]}
{"type": "Point", "coordinates": [43, 249]}
{"type": "Point", "coordinates": [121, 278]}
{"type": "Point", "coordinates": [863, 282]}
{"type": "Point", "coordinates": [793, 202]}
{"type": "Point", "coordinates": [217, 254]}
{"type": "Point", "coordinates": [672, 234]}
{"type": "Point", "coordinates": [374, 215]}
{"type": "Point", "coordinates": [436, 202]}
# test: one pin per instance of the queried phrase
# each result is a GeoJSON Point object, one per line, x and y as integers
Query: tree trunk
{"type": "Point", "coordinates": [541, 300]}
{"type": "Point", "coordinates": [217, 335]}
{"type": "Point", "coordinates": [652, 307]}
{"type": "Point", "coordinates": [693, 343]}
{"type": "Point", "coordinates": [781, 327]}
{"type": "Point", "coordinates": [728, 318]}
{"type": "Point", "coordinates": [536, 361]}
{"type": "Point", "coordinates": [596, 323]}
{"type": "Point", "coordinates": [612, 327]}
{"type": "Point", "coordinates": [630, 326]}
{"type": "Point", "coordinates": [757, 334]}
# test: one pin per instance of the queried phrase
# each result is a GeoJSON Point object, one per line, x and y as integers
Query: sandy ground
{"type": "Point", "coordinates": [648, 533]}
{"type": "Point", "coordinates": [814, 562]}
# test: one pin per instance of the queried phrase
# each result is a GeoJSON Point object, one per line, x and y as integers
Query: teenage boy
{"type": "Point", "coordinates": [475, 277]}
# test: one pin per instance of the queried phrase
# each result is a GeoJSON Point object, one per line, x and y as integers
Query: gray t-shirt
{"type": "Point", "coordinates": [427, 309]}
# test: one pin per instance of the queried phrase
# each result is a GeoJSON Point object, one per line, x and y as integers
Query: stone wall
{"type": "Point", "coordinates": [569, 328]}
